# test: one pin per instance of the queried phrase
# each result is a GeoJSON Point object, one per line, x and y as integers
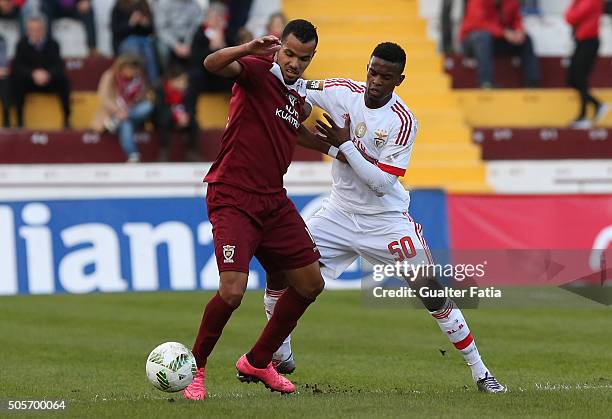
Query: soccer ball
{"type": "Point", "coordinates": [171, 367]}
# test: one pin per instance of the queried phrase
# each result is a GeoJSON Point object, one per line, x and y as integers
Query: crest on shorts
{"type": "Point", "coordinates": [360, 130]}
{"type": "Point", "coordinates": [380, 137]}
{"type": "Point", "coordinates": [228, 253]}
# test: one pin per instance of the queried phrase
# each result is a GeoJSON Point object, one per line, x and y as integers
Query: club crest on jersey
{"type": "Point", "coordinates": [380, 137]}
{"type": "Point", "coordinates": [315, 84]}
{"type": "Point", "coordinates": [228, 253]}
{"type": "Point", "coordinates": [292, 99]}
{"type": "Point", "coordinates": [360, 130]}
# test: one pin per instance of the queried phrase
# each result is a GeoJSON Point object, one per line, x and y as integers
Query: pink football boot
{"type": "Point", "coordinates": [196, 390]}
{"type": "Point", "coordinates": [269, 376]}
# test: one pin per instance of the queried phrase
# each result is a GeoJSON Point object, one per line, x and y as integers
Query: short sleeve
{"type": "Point", "coordinates": [317, 95]}
{"type": "Point", "coordinates": [395, 155]}
{"type": "Point", "coordinates": [331, 95]}
{"type": "Point", "coordinates": [253, 68]}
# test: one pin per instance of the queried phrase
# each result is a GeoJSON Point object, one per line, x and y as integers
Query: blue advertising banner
{"type": "Point", "coordinates": [140, 244]}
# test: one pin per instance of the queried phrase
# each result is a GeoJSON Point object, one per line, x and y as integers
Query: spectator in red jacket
{"type": "Point", "coordinates": [583, 16]}
{"type": "Point", "coordinates": [172, 117]}
{"type": "Point", "coordinates": [493, 27]}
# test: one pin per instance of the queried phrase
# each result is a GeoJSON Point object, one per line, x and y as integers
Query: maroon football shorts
{"type": "Point", "coordinates": [267, 226]}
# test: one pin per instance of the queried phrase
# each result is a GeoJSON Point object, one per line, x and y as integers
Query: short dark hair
{"type": "Point", "coordinates": [391, 52]}
{"type": "Point", "coordinates": [302, 29]}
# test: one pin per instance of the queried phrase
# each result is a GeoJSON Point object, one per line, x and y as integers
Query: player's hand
{"type": "Point", "coordinates": [266, 45]}
{"type": "Point", "coordinates": [332, 133]}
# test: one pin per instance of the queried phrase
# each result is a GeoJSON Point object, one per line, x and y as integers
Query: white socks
{"type": "Point", "coordinates": [449, 318]}
{"type": "Point", "coordinates": [453, 324]}
{"type": "Point", "coordinates": [270, 299]}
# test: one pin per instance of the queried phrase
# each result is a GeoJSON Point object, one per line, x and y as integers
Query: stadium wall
{"type": "Point", "coordinates": [119, 228]}
{"type": "Point", "coordinates": [124, 228]}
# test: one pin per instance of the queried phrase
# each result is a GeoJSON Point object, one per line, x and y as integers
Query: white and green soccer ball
{"type": "Point", "coordinates": [171, 367]}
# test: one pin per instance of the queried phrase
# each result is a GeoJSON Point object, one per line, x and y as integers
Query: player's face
{"type": "Point", "coordinates": [294, 57]}
{"type": "Point", "coordinates": [383, 77]}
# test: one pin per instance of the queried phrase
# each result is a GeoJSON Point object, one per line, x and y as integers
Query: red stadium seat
{"type": "Point", "coordinates": [508, 72]}
{"type": "Point", "coordinates": [543, 143]}
{"type": "Point", "coordinates": [84, 73]}
{"type": "Point", "coordinates": [88, 147]}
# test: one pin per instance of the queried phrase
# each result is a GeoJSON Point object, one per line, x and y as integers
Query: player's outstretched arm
{"type": "Point", "coordinates": [377, 180]}
{"type": "Point", "coordinates": [309, 140]}
{"type": "Point", "coordinates": [223, 62]}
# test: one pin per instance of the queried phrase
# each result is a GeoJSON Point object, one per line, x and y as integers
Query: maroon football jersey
{"type": "Point", "coordinates": [259, 139]}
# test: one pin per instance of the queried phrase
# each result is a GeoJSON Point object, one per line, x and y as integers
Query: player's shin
{"type": "Point", "coordinates": [216, 315]}
{"type": "Point", "coordinates": [453, 324]}
{"type": "Point", "coordinates": [270, 299]}
{"type": "Point", "coordinates": [289, 308]}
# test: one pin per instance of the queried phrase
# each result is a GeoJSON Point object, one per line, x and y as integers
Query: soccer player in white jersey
{"type": "Point", "coordinates": [372, 133]}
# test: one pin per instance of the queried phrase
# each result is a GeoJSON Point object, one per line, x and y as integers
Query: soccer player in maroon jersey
{"type": "Point", "coordinates": [247, 205]}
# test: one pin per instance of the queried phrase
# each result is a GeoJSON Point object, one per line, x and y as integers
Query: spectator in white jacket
{"type": "Point", "coordinates": [176, 21]}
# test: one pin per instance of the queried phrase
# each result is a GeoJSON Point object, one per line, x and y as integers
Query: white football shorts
{"type": "Point", "coordinates": [386, 238]}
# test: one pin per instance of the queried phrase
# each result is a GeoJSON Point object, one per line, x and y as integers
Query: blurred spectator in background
{"type": "Point", "coordinates": [584, 16]}
{"type": "Point", "coordinates": [171, 116]}
{"type": "Point", "coordinates": [446, 23]}
{"type": "Point", "coordinates": [11, 9]}
{"type": "Point", "coordinates": [38, 67]}
{"type": "Point", "coordinates": [244, 36]}
{"type": "Point", "coordinates": [238, 12]}
{"type": "Point", "coordinates": [210, 37]}
{"type": "Point", "coordinates": [276, 24]}
{"type": "Point", "coordinates": [493, 27]}
{"type": "Point", "coordinates": [531, 7]}
{"type": "Point", "coordinates": [125, 102]}
{"type": "Point", "coordinates": [81, 10]}
{"type": "Point", "coordinates": [132, 26]}
{"type": "Point", "coordinates": [4, 85]}
{"type": "Point", "coordinates": [176, 21]}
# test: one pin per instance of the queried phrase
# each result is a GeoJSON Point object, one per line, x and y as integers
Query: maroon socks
{"type": "Point", "coordinates": [289, 308]}
{"type": "Point", "coordinates": [216, 315]}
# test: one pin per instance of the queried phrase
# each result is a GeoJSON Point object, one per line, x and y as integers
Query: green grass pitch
{"type": "Point", "coordinates": [351, 360]}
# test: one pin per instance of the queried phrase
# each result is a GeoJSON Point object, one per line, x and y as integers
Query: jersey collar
{"type": "Point", "coordinates": [298, 87]}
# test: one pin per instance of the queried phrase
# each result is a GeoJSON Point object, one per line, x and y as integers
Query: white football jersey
{"type": "Point", "coordinates": [384, 136]}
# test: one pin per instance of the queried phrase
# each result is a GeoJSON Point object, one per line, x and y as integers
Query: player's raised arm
{"type": "Point", "coordinates": [376, 179]}
{"type": "Point", "coordinates": [224, 61]}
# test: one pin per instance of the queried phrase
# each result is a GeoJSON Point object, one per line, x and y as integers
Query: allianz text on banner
{"type": "Point", "coordinates": [142, 244]}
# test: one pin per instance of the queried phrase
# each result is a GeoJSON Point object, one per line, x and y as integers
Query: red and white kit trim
{"type": "Point", "coordinates": [406, 128]}
{"type": "Point", "coordinates": [349, 84]}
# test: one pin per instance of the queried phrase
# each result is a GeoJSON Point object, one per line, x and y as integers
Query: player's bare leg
{"type": "Point", "coordinates": [216, 315]}
{"type": "Point", "coordinates": [276, 285]}
{"type": "Point", "coordinates": [452, 323]}
{"type": "Point", "coordinates": [305, 284]}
